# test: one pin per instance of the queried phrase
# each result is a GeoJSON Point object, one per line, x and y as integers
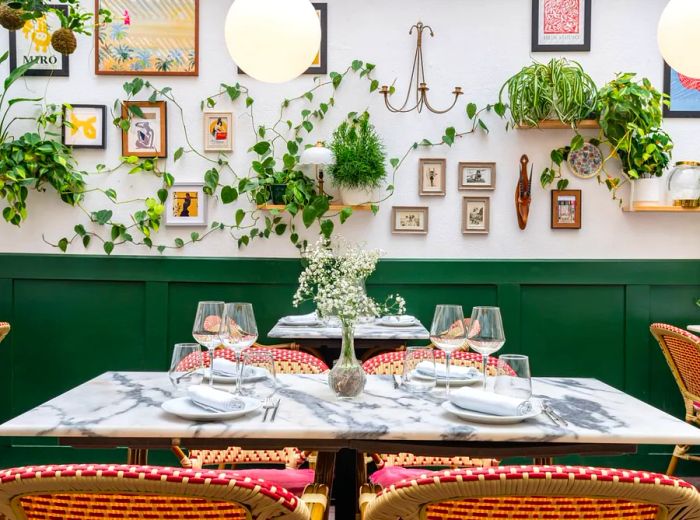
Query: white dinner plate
{"type": "Point", "coordinates": [478, 417]}
{"type": "Point", "coordinates": [454, 381]}
{"type": "Point", "coordinates": [185, 408]}
{"type": "Point", "coordinates": [256, 374]}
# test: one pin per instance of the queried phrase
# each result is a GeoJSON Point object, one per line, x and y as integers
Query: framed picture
{"type": "Point", "coordinates": [566, 209]}
{"type": "Point", "coordinates": [218, 132]}
{"type": "Point", "coordinates": [561, 25]}
{"type": "Point", "coordinates": [186, 205]}
{"type": "Point", "coordinates": [409, 220]}
{"type": "Point", "coordinates": [432, 177]}
{"type": "Point", "coordinates": [148, 37]}
{"type": "Point", "coordinates": [33, 41]}
{"type": "Point", "coordinates": [84, 126]}
{"type": "Point", "coordinates": [148, 134]}
{"type": "Point", "coordinates": [476, 215]}
{"type": "Point", "coordinates": [683, 93]}
{"type": "Point", "coordinates": [477, 176]}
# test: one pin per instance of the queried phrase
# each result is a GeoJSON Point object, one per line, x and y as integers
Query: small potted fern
{"type": "Point", "coordinates": [359, 167]}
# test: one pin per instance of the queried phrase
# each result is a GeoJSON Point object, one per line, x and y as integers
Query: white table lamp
{"type": "Point", "coordinates": [319, 157]}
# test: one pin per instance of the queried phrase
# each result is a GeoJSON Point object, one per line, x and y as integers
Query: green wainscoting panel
{"type": "Point", "coordinates": [74, 317]}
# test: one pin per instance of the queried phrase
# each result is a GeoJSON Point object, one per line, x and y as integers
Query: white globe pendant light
{"type": "Point", "coordinates": [273, 40]}
{"type": "Point", "coordinates": [679, 36]}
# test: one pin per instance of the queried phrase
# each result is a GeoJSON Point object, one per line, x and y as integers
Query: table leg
{"type": "Point", "coordinates": [543, 461]}
{"type": "Point", "coordinates": [325, 470]}
{"type": "Point", "coordinates": [137, 456]}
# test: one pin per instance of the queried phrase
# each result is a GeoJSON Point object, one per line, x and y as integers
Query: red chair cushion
{"type": "Point", "coordinates": [389, 475]}
{"type": "Point", "coordinates": [293, 480]}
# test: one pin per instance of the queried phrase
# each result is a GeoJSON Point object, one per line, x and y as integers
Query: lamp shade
{"type": "Point", "coordinates": [317, 155]}
{"type": "Point", "coordinates": [679, 36]}
{"type": "Point", "coordinates": [273, 40]}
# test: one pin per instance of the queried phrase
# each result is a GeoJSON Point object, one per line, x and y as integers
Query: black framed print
{"type": "Point", "coordinates": [84, 126]}
{"type": "Point", "coordinates": [561, 25]}
{"type": "Point", "coordinates": [33, 42]}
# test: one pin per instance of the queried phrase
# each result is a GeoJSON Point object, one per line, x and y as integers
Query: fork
{"type": "Point", "coordinates": [274, 411]}
{"type": "Point", "coordinates": [268, 404]}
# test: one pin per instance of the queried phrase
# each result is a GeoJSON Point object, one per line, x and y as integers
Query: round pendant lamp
{"type": "Point", "coordinates": [273, 40]}
{"type": "Point", "coordinates": [679, 36]}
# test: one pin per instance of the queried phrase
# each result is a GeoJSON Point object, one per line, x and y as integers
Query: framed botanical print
{"type": "Point", "coordinates": [147, 135]}
{"type": "Point", "coordinates": [477, 176]}
{"type": "Point", "coordinates": [84, 126]}
{"type": "Point", "coordinates": [566, 209]}
{"type": "Point", "coordinates": [186, 205]}
{"type": "Point", "coordinates": [561, 25]}
{"type": "Point", "coordinates": [409, 220]}
{"type": "Point", "coordinates": [432, 177]}
{"type": "Point", "coordinates": [476, 215]}
{"type": "Point", "coordinates": [148, 37]}
{"type": "Point", "coordinates": [683, 93]}
{"type": "Point", "coordinates": [33, 42]}
{"type": "Point", "coordinates": [218, 131]}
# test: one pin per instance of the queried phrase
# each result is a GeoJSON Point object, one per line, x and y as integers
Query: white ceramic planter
{"type": "Point", "coordinates": [648, 192]}
{"type": "Point", "coordinates": [356, 196]}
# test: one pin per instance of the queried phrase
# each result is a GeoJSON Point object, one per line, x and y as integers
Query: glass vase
{"type": "Point", "coordinates": [347, 378]}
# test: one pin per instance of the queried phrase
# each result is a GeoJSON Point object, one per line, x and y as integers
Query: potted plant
{"type": "Point", "coordinates": [359, 167]}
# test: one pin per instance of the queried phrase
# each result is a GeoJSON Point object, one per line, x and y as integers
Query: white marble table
{"type": "Point", "coordinates": [694, 328]}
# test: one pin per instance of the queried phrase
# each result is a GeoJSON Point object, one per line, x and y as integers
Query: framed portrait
{"type": "Point", "coordinates": [566, 209]}
{"type": "Point", "coordinates": [218, 132]}
{"type": "Point", "coordinates": [186, 205]}
{"type": "Point", "coordinates": [476, 215]}
{"type": "Point", "coordinates": [84, 126]}
{"type": "Point", "coordinates": [683, 93]}
{"type": "Point", "coordinates": [33, 41]}
{"type": "Point", "coordinates": [409, 220]}
{"type": "Point", "coordinates": [148, 37]}
{"type": "Point", "coordinates": [477, 176]}
{"type": "Point", "coordinates": [561, 25]}
{"type": "Point", "coordinates": [432, 177]}
{"type": "Point", "coordinates": [147, 135]}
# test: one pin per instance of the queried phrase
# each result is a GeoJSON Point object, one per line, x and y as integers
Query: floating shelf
{"type": "Point", "coordinates": [555, 124]}
{"type": "Point", "coordinates": [660, 209]}
{"type": "Point", "coordinates": [332, 207]}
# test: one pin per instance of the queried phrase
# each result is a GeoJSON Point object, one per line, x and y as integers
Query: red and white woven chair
{"type": "Point", "coordinates": [682, 352]}
{"type": "Point", "coordinates": [391, 363]}
{"type": "Point", "coordinates": [4, 330]}
{"type": "Point", "coordinates": [521, 492]}
{"type": "Point", "coordinates": [96, 492]}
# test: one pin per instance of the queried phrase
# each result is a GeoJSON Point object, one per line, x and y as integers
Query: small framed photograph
{"type": "Point", "coordinates": [84, 126]}
{"type": "Point", "coordinates": [683, 94]}
{"type": "Point", "coordinates": [561, 25]}
{"type": "Point", "coordinates": [218, 132]}
{"type": "Point", "coordinates": [476, 215]}
{"type": "Point", "coordinates": [410, 220]}
{"type": "Point", "coordinates": [477, 176]}
{"type": "Point", "coordinates": [33, 41]}
{"type": "Point", "coordinates": [566, 209]}
{"type": "Point", "coordinates": [148, 134]}
{"type": "Point", "coordinates": [186, 205]}
{"type": "Point", "coordinates": [432, 177]}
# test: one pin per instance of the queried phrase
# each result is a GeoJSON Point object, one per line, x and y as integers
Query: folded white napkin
{"type": "Point", "coordinates": [456, 372]}
{"type": "Point", "coordinates": [213, 399]}
{"type": "Point", "coordinates": [489, 402]}
{"type": "Point", "coordinates": [301, 319]}
{"type": "Point", "coordinates": [399, 320]}
{"type": "Point", "coordinates": [224, 367]}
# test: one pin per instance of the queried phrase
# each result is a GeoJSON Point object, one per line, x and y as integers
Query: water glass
{"type": "Point", "coordinates": [266, 385]}
{"type": "Point", "coordinates": [513, 376]}
{"type": "Point", "coordinates": [448, 333]}
{"type": "Point", "coordinates": [416, 381]}
{"type": "Point", "coordinates": [187, 366]}
{"type": "Point", "coordinates": [238, 331]}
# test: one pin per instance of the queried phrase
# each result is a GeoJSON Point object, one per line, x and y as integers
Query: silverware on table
{"type": "Point", "coordinates": [554, 416]}
{"type": "Point", "coordinates": [268, 404]}
{"type": "Point", "coordinates": [397, 381]}
{"type": "Point", "coordinates": [274, 410]}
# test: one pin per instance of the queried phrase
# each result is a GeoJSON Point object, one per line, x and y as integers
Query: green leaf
{"type": "Point", "coordinates": [500, 109]}
{"type": "Point", "coordinates": [471, 110]}
{"type": "Point", "coordinates": [111, 194]}
{"type": "Point", "coordinates": [327, 228]}
{"type": "Point", "coordinates": [228, 194]}
{"type": "Point", "coordinates": [178, 153]}
{"type": "Point", "coordinates": [577, 143]}
{"type": "Point", "coordinates": [108, 247]}
{"type": "Point", "coordinates": [243, 241]}
{"type": "Point", "coordinates": [308, 126]}
{"type": "Point", "coordinates": [135, 109]}
{"type": "Point", "coordinates": [148, 242]}
{"type": "Point", "coordinates": [168, 179]}
{"type": "Point", "coordinates": [240, 215]}
{"type": "Point", "coordinates": [79, 230]}
{"type": "Point", "coordinates": [102, 217]}
{"type": "Point", "coordinates": [179, 242]}
{"type": "Point", "coordinates": [280, 229]}
{"type": "Point", "coordinates": [375, 208]}
{"type": "Point", "coordinates": [356, 65]}
{"type": "Point", "coordinates": [562, 184]}
{"type": "Point", "coordinates": [292, 147]}
{"type": "Point", "coordinates": [345, 214]}
{"type": "Point", "coordinates": [309, 96]}
{"type": "Point", "coordinates": [86, 241]}
{"type": "Point", "coordinates": [249, 102]}
{"type": "Point", "coordinates": [194, 236]}
{"type": "Point", "coordinates": [374, 85]}
{"type": "Point", "coordinates": [63, 244]}
{"type": "Point", "coordinates": [394, 162]}
{"type": "Point", "coordinates": [161, 249]}
{"type": "Point", "coordinates": [262, 147]}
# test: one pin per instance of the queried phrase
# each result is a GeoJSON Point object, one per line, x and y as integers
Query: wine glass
{"type": "Point", "coordinates": [448, 333]}
{"type": "Point", "coordinates": [486, 334]}
{"type": "Point", "coordinates": [238, 332]}
{"type": "Point", "coordinates": [205, 330]}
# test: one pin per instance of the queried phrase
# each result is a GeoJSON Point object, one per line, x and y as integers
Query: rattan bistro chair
{"type": "Point", "coordinates": [556, 492]}
{"type": "Point", "coordinates": [682, 352]}
{"type": "Point", "coordinates": [96, 492]}
{"type": "Point", "coordinates": [4, 330]}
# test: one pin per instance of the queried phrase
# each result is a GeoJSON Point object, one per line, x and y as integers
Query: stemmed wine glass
{"type": "Point", "coordinates": [238, 332]}
{"type": "Point", "coordinates": [448, 333]}
{"type": "Point", "coordinates": [205, 330]}
{"type": "Point", "coordinates": [486, 334]}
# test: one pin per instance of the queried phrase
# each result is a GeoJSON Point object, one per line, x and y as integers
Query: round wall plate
{"type": "Point", "coordinates": [586, 162]}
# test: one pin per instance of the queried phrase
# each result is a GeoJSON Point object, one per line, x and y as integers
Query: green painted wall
{"type": "Point", "coordinates": [75, 317]}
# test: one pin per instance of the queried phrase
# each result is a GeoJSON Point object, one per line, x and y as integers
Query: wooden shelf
{"type": "Point", "coordinates": [555, 124]}
{"type": "Point", "coordinates": [660, 209]}
{"type": "Point", "coordinates": [332, 207]}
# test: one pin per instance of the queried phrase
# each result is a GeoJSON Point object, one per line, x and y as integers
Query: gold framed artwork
{"type": "Point", "coordinates": [566, 209]}
{"type": "Point", "coordinates": [218, 132]}
{"type": "Point", "coordinates": [476, 215]}
{"type": "Point", "coordinates": [409, 220]}
{"type": "Point", "coordinates": [33, 42]}
{"type": "Point", "coordinates": [148, 37]}
{"type": "Point", "coordinates": [186, 205]}
{"type": "Point", "coordinates": [147, 135]}
{"type": "Point", "coordinates": [477, 176]}
{"type": "Point", "coordinates": [84, 126]}
{"type": "Point", "coordinates": [432, 177]}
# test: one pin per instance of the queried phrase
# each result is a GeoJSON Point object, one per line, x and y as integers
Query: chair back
{"type": "Point", "coordinates": [536, 492]}
{"type": "Point", "coordinates": [95, 492]}
{"type": "Point", "coordinates": [682, 352]}
{"type": "Point", "coordinates": [4, 330]}
{"type": "Point", "coordinates": [391, 363]}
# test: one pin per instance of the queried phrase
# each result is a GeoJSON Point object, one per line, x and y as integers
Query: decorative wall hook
{"type": "Point", "coordinates": [418, 75]}
{"type": "Point", "coordinates": [523, 193]}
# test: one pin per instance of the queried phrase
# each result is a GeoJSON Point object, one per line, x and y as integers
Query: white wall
{"type": "Point", "coordinates": [477, 45]}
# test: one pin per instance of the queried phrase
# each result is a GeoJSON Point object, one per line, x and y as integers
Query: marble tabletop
{"type": "Point", "coordinates": [128, 405]}
{"type": "Point", "coordinates": [372, 331]}
{"type": "Point", "coordinates": [694, 328]}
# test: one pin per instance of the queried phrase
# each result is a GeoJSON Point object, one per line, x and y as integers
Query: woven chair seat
{"type": "Point", "coordinates": [523, 492]}
{"type": "Point", "coordinates": [4, 330]}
